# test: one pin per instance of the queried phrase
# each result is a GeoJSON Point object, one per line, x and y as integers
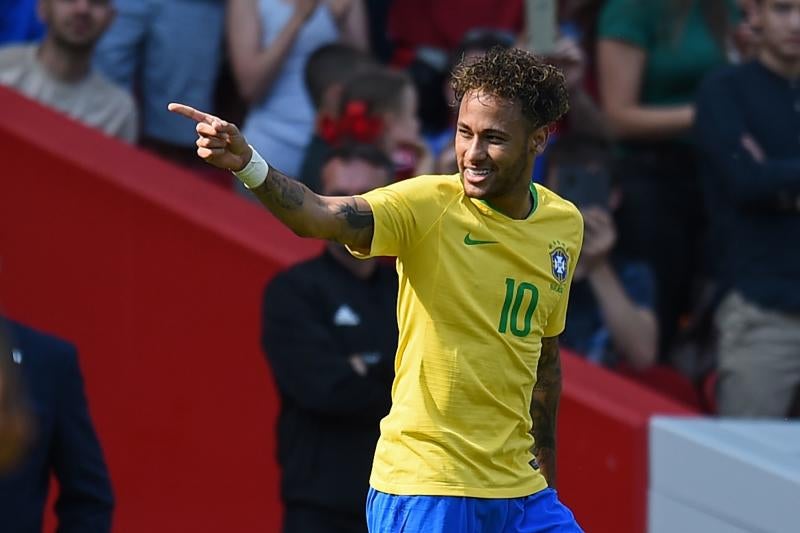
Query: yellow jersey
{"type": "Point", "coordinates": [478, 291]}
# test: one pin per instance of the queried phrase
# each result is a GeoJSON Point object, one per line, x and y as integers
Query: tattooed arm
{"type": "Point", "coordinates": [544, 408]}
{"type": "Point", "coordinates": [345, 219]}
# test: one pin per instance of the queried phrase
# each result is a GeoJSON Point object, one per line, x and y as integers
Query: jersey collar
{"type": "Point", "coordinates": [488, 208]}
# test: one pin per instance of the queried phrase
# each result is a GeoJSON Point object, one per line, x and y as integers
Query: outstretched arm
{"type": "Point", "coordinates": [345, 219]}
{"type": "Point", "coordinates": [544, 408]}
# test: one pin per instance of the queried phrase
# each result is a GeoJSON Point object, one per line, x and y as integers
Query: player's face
{"type": "Point", "coordinates": [779, 21]}
{"type": "Point", "coordinates": [76, 23]}
{"type": "Point", "coordinates": [495, 148]}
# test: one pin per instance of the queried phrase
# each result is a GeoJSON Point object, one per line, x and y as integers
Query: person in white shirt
{"type": "Point", "coordinates": [58, 72]}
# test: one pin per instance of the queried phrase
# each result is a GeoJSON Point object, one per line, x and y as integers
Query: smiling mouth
{"type": "Point", "coordinates": [477, 173]}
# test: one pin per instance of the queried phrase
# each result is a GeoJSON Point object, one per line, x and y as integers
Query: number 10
{"type": "Point", "coordinates": [517, 294]}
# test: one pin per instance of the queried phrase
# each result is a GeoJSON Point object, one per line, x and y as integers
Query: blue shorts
{"type": "Point", "coordinates": [537, 513]}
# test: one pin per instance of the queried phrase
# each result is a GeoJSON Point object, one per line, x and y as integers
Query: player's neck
{"type": "Point", "coordinates": [516, 204]}
{"type": "Point", "coordinates": [62, 63]}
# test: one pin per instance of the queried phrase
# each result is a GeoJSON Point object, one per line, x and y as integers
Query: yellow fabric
{"type": "Point", "coordinates": [460, 422]}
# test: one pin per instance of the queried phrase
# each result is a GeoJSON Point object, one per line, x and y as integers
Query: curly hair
{"type": "Point", "coordinates": [516, 75]}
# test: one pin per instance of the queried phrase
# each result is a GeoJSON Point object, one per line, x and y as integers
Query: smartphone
{"type": "Point", "coordinates": [542, 24]}
{"type": "Point", "coordinates": [584, 186]}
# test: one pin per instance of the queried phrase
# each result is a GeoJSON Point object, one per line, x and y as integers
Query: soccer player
{"type": "Point", "coordinates": [485, 260]}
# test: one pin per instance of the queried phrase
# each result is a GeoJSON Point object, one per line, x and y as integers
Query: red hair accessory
{"type": "Point", "coordinates": [355, 124]}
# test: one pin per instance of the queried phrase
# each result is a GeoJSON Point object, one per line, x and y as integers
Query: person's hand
{"type": "Point", "coordinates": [303, 9]}
{"type": "Point", "coordinates": [358, 364]}
{"type": "Point", "coordinates": [753, 148]}
{"type": "Point", "coordinates": [599, 238]}
{"type": "Point", "coordinates": [219, 143]}
{"type": "Point", "coordinates": [340, 8]}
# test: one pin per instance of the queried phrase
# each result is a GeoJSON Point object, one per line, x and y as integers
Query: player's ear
{"type": "Point", "coordinates": [537, 140]}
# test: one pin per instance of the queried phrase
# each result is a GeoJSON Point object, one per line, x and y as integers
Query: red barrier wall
{"type": "Point", "coordinates": [157, 278]}
{"type": "Point", "coordinates": [603, 446]}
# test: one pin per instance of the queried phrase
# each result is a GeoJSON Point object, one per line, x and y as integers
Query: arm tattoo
{"type": "Point", "coordinates": [544, 406]}
{"type": "Point", "coordinates": [310, 215]}
{"type": "Point", "coordinates": [355, 218]}
{"type": "Point", "coordinates": [282, 190]}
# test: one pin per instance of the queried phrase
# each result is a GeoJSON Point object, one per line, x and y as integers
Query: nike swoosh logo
{"type": "Point", "coordinates": [469, 241]}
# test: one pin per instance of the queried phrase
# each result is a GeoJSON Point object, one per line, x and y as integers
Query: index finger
{"type": "Point", "coordinates": [192, 113]}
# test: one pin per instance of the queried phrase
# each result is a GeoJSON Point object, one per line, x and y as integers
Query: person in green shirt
{"type": "Point", "coordinates": [651, 58]}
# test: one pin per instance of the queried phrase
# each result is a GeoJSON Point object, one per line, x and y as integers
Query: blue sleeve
{"type": "Point", "coordinates": [85, 501]}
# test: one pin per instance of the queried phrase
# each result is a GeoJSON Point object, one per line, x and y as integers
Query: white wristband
{"type": "Point", "coordinates": [254, 172]}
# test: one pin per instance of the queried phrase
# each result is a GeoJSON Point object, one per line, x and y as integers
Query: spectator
{"type": "Point", "coordinates": [270, 42]}
{"type": "Point", "coordinates": [149, 50]}
{"type": "Point", "coordinates": [326, 72]}
{"type": "Point", "coordinates": [611, 318]}
{"type": "Point", "coordinates": [380, 106]}
{"type": "Point", "coordinates": [58, 72]}
{"type": "Point", "coordinates": [65, 444]}
{"type": "Point", "coordinates": [585, 118]}
{"type": "Point", "coordinates": [330, 337]}
{"type": "Point", "coordinates": [748, 133]}
{"type": "Point", "coordinates": [651, 58]}
{"type": "Point", "coordinates": [19, 22]}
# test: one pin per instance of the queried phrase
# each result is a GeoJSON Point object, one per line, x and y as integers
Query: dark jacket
{"type": "Point", "coordinates": [65, 444]}
{"type": "Point", "coordinates": [754, 206]}
{"type": "Point", "coordinates": [315, 316]}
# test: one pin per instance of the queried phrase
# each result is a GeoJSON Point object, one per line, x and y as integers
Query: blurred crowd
{"type": "Point", "coordinates": [681, 148]}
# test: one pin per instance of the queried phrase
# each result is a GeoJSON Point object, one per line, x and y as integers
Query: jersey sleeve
{"type": "Point", "coordinates": [558, 317]}
{"type": "Point", "coordinates": [403, 213]}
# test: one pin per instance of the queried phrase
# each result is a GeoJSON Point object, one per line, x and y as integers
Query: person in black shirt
{"type": "Point", "coordinates": [330, 335]}
{"type": "Point", "coordinates": [748, 135]}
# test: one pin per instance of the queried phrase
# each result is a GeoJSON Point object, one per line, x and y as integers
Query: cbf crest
{"type": "Point", "coordinates": [559, 261]}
